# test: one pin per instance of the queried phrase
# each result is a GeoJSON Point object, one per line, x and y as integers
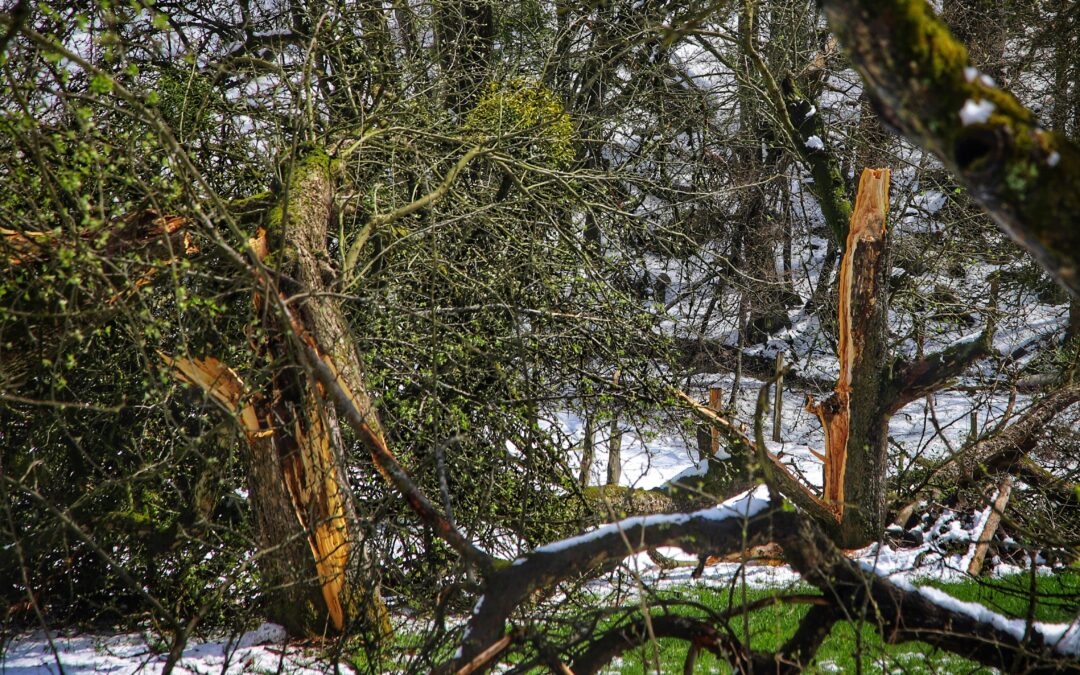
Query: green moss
{"type": "Point", "coordinates": [255, 200]}
{"type": "Point", "coordinates": [314, 159]}
{"type": "Point", "coordinates": [932, 62]}
{"type": "Point", "coordinates": [1019, 176]}
{"type": "Point", "coordinates": [529, 117]}
{"type": "Point", "coordinates": [934, 54]}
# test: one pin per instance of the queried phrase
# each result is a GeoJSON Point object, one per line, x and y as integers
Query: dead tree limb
{"type": "Point", "coordinates": [898, 613]}
{"type": "Point", "coordinates": [982, 543]}
{"type": "Point", "coordinates": [1006, 448]}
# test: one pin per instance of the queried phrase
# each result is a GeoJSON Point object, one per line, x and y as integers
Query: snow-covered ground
{"type": "Point", "coordinates": [263, 650]}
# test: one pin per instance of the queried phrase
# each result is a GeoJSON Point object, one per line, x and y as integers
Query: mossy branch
{"type": "Point", "coordinates": [919, 78]}
{"type": "Point", "coordinates": [798, 125]}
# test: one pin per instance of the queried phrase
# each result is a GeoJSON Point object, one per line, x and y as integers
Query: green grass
{"type": "Point", "coordinates": [770, 627]}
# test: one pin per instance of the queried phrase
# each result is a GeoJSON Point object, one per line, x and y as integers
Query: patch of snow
{"type": "Point", "coordinates": [266, 634]}
{"type": "Point", "coordinates": [131, 654]}
{"type": "Point", "coordinates": [693, 471]}
{"type": "Point", "coordinates": [971, 74]}
{"type": "Point", "coordinates": [746, 505]}
{"type": "Point", "coordinates": [814, 143]}
{"type": "Point", "coordinates": [976, 112]}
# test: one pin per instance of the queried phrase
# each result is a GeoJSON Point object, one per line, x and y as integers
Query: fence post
{"type": "Point", "coordinates": [778, 397]}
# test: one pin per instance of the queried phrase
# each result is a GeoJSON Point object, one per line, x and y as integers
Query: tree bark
{"type": "Point", "coordinates": [315, 470]}
{"type": "Point", "coordinates": [312, 556]}
{"type": "Point", "coordinates": [856, 430]}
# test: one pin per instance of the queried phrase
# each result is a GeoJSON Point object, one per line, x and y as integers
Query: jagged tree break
{"type": "Point", "coordinates": [861, 315]}
{"type": "Point", "coordinates": [868, 392]}
{"type": "Point", "coordinates": [305, 521]}
{"type": "Point", "coordinates": [852, 505]}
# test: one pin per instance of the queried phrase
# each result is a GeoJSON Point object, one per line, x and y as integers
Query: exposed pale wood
{"type": "Point", "coordinates": [309, 475]}
{"type": "Point", "coordinates": [856, 289]}
{"type": "Point", "coordinates": [982, 544]}
{"type": "Point", "coordinates": [296, 466]}
{"type": "Point", "coordinates": [138, 229]}
{"type": "Point", "coordinates": [312, 481]}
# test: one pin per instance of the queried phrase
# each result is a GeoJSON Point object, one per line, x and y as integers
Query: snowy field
{"type": "Point", "coordinates": [263, 650]}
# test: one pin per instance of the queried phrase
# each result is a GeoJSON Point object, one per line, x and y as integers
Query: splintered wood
{"type": "Point", "coordinates": [856, 293]}
{"type": "Point", "coordinates": [221, 383]}
{"type": "Point", "coordinates": [308, 470]}
{"type": "Point", "coordinates": [309, 474]}
{"type": "Point", "coordinates": [312, 481]}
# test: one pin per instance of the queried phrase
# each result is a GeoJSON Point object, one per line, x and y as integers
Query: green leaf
{"type": "Point", "coordinates": [101, 84]}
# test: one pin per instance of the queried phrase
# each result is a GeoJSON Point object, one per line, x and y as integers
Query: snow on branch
{"type": "Point", "coordinates": [738, 523]}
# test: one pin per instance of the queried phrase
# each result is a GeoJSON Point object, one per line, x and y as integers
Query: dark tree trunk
{"type": "Point", "coordinates": [465, 34]}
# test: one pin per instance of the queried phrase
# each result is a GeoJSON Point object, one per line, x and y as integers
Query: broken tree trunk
{"type": "Point", "coordinates": [856, 416]}
{"type": "Point", "coordinates": [311, 452]}
{"type": "Point", "coordinates": [852, 507]}
{"type": "Point", "coordinates": [313, 559]}
{"type": "Point", "coordinates": [855, 429]}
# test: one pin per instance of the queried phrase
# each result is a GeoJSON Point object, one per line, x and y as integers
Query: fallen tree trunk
{"type": "Point", "coordinates": [711, 531]}
{"type": "Point", "coordinates": [1004, 450]}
